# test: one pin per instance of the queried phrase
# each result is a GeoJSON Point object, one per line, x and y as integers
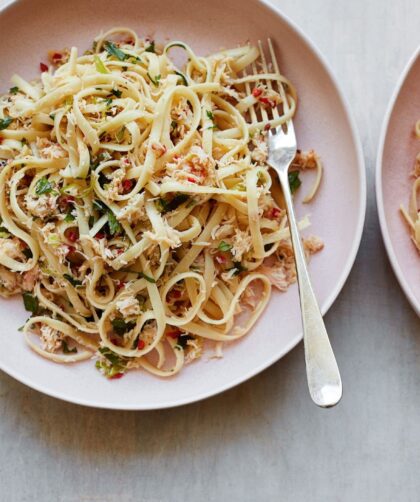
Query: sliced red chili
{"type": "Point", "coordinates": [127, 185]}
{"type": "Point", "coordinates": [43, 67]}
{"type": "Point", "coordinates": [72, 234]}
{"type": "Point", "coordinates": [100, 235]}
{"type": "Point", "coordinates": [174, 334]}
{"type": "Point", "coordinates": [141, 344]}
{"type": "Point", "coordinates": [116, 376]}
{"type": "Point", "coordinates": [256, 92]}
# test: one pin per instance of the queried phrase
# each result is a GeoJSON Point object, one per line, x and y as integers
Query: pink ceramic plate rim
{"type": "Point", "coordinates": [326, 304]}
{"type": "Point", "coordinates": [394, 257]}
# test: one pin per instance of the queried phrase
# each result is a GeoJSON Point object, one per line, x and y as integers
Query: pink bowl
{"type": "Point", "coordinates": [398, 148]}
{"type": "Point", "coordinates": [323, 122]}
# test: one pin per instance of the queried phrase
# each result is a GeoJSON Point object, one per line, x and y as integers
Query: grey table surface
{"type": "Point", "coordinates": [264, 440]}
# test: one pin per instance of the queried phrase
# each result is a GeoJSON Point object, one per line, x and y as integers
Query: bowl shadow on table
{"type": "Point", "coordinates": [95, 434]}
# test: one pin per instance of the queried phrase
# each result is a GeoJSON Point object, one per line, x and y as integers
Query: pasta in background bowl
{"type": "Point", "coordinates": [147, 199]}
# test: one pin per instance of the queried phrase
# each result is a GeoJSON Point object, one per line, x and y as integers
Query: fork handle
{"type": "Point", "coordinates": [322, 372]}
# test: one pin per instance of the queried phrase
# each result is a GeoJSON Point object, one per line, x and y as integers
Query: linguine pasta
{"type": "Point", "coordinates": [139, 216]}
{"type": "Point", "coordinates": [412, 216]}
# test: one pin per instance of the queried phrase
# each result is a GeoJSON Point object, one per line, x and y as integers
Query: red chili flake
{"type": "Point", "coordinates": [72, 249]}
{"type": "Point", "coordinates": [64, 201]}
{"type": "Point", "coordinates": [116, 376]}
{"type": "Point", "coordinates": [256, 92]}
{"type": "Point", "coordinates": [43, 67]}
{"type": "Point", "coordinates": [221, 259]}
{"type": "Point", "coordinates": [127, 185]}
{"type": "Point", "coordinates": [267, 127]}
{"type": "Point", "coordinates": [175, 293]}
{"type": "Point", "coordinates": [119, 285]}
{"type": "Point", "coordinates": [100, 235]}
{"type": "Point", "coordinates": [57, 57]}
{"type": "Point", "coordinates": [141, 345]}
{"type": "Point", "coordinates": [268, 101]}
{"type": "Point", "coordinates": [273, 213]}
{"type": "Point", "coordinates": [72, 234]}
{"type": "Point", "coordinates": [191, 180]}
{"type": "Point", "coordinates": [174, 334]}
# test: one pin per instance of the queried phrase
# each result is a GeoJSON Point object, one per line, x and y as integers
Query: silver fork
{"type": "Point", "coordinates": [322, 371]}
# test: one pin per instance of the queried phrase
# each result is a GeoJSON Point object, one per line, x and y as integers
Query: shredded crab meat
{"type": "Point", "coordinates": [50, 150]}
{"type": "Point", "coordinates": [11, 248]}
{"type": "Point", "coordinates": [169, 236]}
{"type": "Point", "coordinates": [128, 306]}
{"type": "Point", "coordinates": [241, 244]}
{"type": "Point", "coordinates": [134, 211]}
{"type": "Point", "coordinates": [51, 339]}
{"type": "Point", "coordinates": [194, 349]}
{"type": "Point", "coordinates": [42, 206]}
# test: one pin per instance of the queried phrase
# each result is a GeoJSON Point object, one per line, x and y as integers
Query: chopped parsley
{"type": "Point", "coordinates": [99, 205]}
{"type": "Point", "coordinates": [113, 223]}
{"type": "Point", "coordinates": [112, 365]}
{"type": "Point", "coordinates": [4, 123]}
{"type": "Point", "coordinates": [294, 181]}
{"type": "Point", "coordinates": [166, 206]}
{"type": "Point", "coordinates": [209, 114]}
{"type": "Point", "coordinates": [14, 90]}
{"type": "Point", "coordinates": [155, 81]}
{"type": "Point", "coordinates": [182, 77]}
{"type": "Point", "coordinates": [43, 186]}
{"type": "Point", "coordinates": [121, 327]}
{"type": "Point", "coordinates": [116, 92]}
{"type": "Point", "coordinates": [113, 50]}
{"type": "Point", "coordinates": [30, 302]}
{"type": "Point", "coordinates": [147, 277]}
{"type": "Point", "coordinates": [27, 252]}
{"type": "Point", "coordinates": [100, 67]}
{"type": "Point", "coordinates": [74, 282]}
{"type": "Point", "coordinates": [151, 47]}
{"type": "Point", "coordinates": [238, 268]}
{"type": "Point", "coordinates": [224, 246]}
{"type": "Point", "coordinates": [69, 217]}
{"type": "Point", "coordinates": [67, 350]}
{"type": "Point", "coordinates": [183, 339]}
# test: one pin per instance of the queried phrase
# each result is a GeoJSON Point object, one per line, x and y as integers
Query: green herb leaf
{"type": "Point", "coordinates": [112, 365]}
{"type": "Point", "coordinates": [28, 253]}
{"type": "Point", "coordinates": [99, 205]}
{"type": "Point", "coordinates": [121, 327]}
{"type": "Point", "coordinates": [69, 217]}
{"type": "Point", "coordinates": [100, 67]}
{"type": "Point", "coordinates": [155, 81]}
{"type": "Point", "coordinates": [30, 302]}
{"type": "Point", "coordinates": [108, 102]}
{"type": "Point", "coordinates": [238, 268]}
{"type": "Point", "coordinates": [175, 44]}
{"type": "Point", "coordinates": [113, 50]}
{"type": "Point", "coordinates": [224, 247]}
{"type": "Point", "coordinates": [116, 92]}
{"type": "Point", "coordinates": [177, 201]}
{"type": "Point", "coordinates": [4, 233]}
{"type": "Point", "coordinates": [43, 186]}
{"type": "Point", "coordinates": [113, 223]}
{"type": "Point", "coordinates": [182, 77]}
{"type": "Point", "coordinates": [74, 282]}
{"type": "Point", "coordinates": [151, 47]}
{"type": "Point", "coordinates": [183, 339]}
{"type": "Point", "coordinates": [67, 350]}
{"type": "Point", "coordinates": [14, 90]}
{"type": "Point", "coordinates": [4, 123]}
{"type": "Point", "coordinates": [294, 181]}
{"type": "Point", "coordinates": [147, 277]}
{"type": "Point", "coordinates": [209, 114]}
